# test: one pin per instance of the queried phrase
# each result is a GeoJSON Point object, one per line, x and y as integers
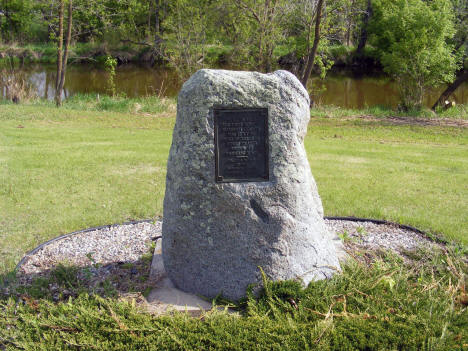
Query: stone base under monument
{"type": "Point", "coordinates": [165, 297]}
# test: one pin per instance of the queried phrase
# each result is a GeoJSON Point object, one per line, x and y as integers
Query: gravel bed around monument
{"type": "Point", "coordinates": [106, 261]}
{"type": "Point", "coordinates": [113, 244]}
{"type": "Point", "coordinates": [375, 236]}
{"type": "Point", "coordinates": [121, 254]}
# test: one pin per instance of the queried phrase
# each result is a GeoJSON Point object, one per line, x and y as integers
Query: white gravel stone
{"type": "Point", "coordinates": [105, 245]}
{"type": "Point", "coordinates": [120, 243]}
{"type": "Point", "coordinates": [379, 236]}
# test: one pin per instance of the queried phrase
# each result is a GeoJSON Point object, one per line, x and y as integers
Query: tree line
{"type": "Point", "coordinates": [420, 43]}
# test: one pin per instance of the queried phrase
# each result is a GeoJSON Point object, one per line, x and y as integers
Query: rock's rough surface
{"type": "Point", "coordinates": [217, 235]}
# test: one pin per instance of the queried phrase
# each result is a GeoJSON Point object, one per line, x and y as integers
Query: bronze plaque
{"type": "Point", "coordinates": [241, 145]}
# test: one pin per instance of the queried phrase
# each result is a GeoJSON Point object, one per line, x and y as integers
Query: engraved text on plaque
{"type": "Point", "coordinates": [241, 145]}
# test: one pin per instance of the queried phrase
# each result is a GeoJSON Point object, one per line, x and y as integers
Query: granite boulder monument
{"type": "Point", "coordinates": [240, 194]}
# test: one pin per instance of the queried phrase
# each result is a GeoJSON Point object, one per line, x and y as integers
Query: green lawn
{"type": "Point", "coordinates": [63, 170]}
{"type": "Point", "coordinates": [71, 168]}
{"type": "Point", "coordinates": [66, 169]}
{"type": "Point", "coordinates": [408, 174]}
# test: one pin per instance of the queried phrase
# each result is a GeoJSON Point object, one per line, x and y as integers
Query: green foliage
{"type": "Point", "coordinates": [412, 38]}
{"type": "Point", "coordinates": [62, 279]}
{"type": "Point", "coordinates": [184, 40]}
{"type": "Point", "coordinates": [385, 306]}
{"type": "Point", "coordinates": [299, 24]}
{"type": "Point", "coordinates": [460, 10]}
{"type": "Point", "coordinates": [457, 111]}
{"type": "Point", "coordinates": [340, 52]}
{"type": "Point", "coordinates": [110, 63]}
{"type": "Point", "coordinates": [216, 54]}
{"type": "Point", "coordinates": [262, 30]}
{"type": "Point", "coordinates": [345, 237]}
{"type": "Point", "coordinates": [355, 310]}
{"type": "Point", "coordinates": [16, 22]}
{"type": "Point", "coordinates": [251, 34]}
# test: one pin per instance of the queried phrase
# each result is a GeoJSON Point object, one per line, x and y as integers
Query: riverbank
{"type": "Point", "coordinates": [79, 53]}
{"type": "Point", "coordinates": [154, 105]}
{"type": "Point", "coordinates": [97, 53]}
{"type": "Point", "coordinates": [343, 57]}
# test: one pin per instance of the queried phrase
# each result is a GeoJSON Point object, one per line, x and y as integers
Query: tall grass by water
{"type": "Point", "coordinates": [152, 104]}
{"type": "Point", "coordinates": [118, 103]}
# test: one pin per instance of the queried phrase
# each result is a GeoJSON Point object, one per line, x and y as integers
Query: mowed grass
{"type": "Point", "coordinates": [415, 175]}
{"type": "Point", "coordinates": [62, 170]}
{"type": "Point", "coordinates": [66, 169]}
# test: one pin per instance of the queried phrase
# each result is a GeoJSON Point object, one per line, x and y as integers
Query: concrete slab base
{"type": "Point", "coordinates": [165, 297]}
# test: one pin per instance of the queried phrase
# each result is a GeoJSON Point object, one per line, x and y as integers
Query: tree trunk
{"type": "Point", "coordinates": [59, 48]}
{"type": "Point", "coordinates": [157, 22]}
{"type": "Point", "coordinates": [150, 10]}
{"type": "Point", "coordinates": [301, 70]}
{"type": "Point", "coordinates": [461, 77]}
{"type": "Point", "coordinates": [349, 22]}
{"type": "Point", "coordinates": [50, 28]}
{"type": "Point", "coordinates": [313, 51]}
{"type": "Point", "coordinates": [348, 34]}
{"type": "Point", "coordinates": [365, 23]}
{"type": "Point", "coordinates": [65, 55]}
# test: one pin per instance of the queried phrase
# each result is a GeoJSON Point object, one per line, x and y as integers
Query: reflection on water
{"type": "Point", "coordinates": [132, 80]}
{"type": "Point", "coordinates": [339, 89]}
{"type": "Point", "coordinates": [351, 91]}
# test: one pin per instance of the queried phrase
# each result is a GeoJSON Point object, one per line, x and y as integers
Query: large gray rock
{"type": "Point", "coordinates": [217, 235]}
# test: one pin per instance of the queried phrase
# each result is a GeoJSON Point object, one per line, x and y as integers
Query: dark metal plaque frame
{"type": "Point", "coordinates": [262, 155]}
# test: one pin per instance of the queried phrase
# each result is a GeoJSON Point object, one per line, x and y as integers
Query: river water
{"type": "Point", "coordinates": [343, 89]}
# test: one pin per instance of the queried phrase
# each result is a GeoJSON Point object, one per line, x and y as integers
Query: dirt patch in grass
{"type": "Point", "coordinates": [397, 120]}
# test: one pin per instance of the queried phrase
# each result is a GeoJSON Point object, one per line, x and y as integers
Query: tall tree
{"type": "Point", "coordinates": [364, 28]}
{"type": "Point", "coordinates": [460, 9]}
{"type": "Point", "coordinates": [313, 51]}
{"type": "Point", "coordinates": [412, 40]}
{"type": "Point", "coordinates": [59, 50]}
{"type": "Point", "coordinates": [62, 56]}
{"type": "Point", "coordinates": [263, 29]}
